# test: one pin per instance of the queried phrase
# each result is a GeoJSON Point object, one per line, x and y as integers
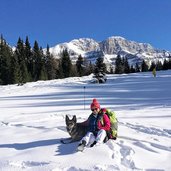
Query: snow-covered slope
{"type": "Point", "coordinates": [76, 47]}
{"type": "Point", "coordinates": [110, 48]}
{"type": "Point", "coordinates": [32, 122]}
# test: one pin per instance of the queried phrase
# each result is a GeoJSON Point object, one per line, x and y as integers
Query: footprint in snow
{"type": "Point", "coordinates": [122, 153]}
{"type": "Point", "coordinates": [26, 164]}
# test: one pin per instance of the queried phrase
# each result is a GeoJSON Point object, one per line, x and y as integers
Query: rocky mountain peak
{"type": "Point", "coordinates": [85, 44]}
{"type": "Point", "coordinates": [114, 45]}
{"type": "Point", "coordinates": [135, 52]}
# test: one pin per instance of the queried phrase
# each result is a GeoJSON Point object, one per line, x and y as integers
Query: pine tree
{"type": "Point", "coordinates": [43, 71]}
{"type": "Point", "coordinates": [80, 66]}
{"type": "Point", "coordinates": [66, 64]}
{"type": "Point", "coordinates": [15, 70]}
{"type": "Point", "coordinates": [5, 62]}
{"type": "Point", "coordinates": [90, 68]}
{"type": "Point", "coordinates": [29, 58]}
{"type": "Point", "coordinates": [169, 62]}
{"type": "Point", "coordinates": [144, 66]}
{"type": "Point", "coordinates": [59, 72]}
{"type": "Point", "coordinates": [22, 61]}
{"type": "Point", "coordinates": [165, 65]}
{"type": "Point", "coordinates": [159, 66]}
{"type": "Point", "coordinates": [100, 66]}
{"type": "Point", "coordinates": [37, 61]}
{"type": "Point", "coordinates": [126, 66]}
{"type": "Point", "coordinates": [119, 69]}
{"type": "Point", "coordinates": [152, 66]}
{"type": "Point", "coordinates": [51, 65]}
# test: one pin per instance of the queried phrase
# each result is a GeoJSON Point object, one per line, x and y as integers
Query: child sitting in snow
{"type": "Point", "coordinates": [98, 123]}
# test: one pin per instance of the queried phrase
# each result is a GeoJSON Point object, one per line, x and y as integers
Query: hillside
{"type": "Point", "coordinates": [32, 123]}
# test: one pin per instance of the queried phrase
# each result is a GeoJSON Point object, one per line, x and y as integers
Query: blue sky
{"type": "Point", "coordinates": [57, 21]}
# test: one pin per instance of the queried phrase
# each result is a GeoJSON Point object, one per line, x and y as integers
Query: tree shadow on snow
{"type": "Point", "coordinates": [27, 145]}
{"type": "Point", "coordinates": [62, 149]}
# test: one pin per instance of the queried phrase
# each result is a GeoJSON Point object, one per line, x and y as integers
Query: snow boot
{"type": "Point", "coordinates": [81, 146]}
{"type": "Point", "coordinates": [94, 143]}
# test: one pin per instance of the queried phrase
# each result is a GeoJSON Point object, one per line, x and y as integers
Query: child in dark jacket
{"type": "Point", "coordinates": [98, 123]}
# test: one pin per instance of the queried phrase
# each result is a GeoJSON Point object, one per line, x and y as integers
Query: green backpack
{"type": "Point", "coordinates": [113, 124]}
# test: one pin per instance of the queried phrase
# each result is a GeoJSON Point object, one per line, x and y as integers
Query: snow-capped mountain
{"type": "Point", "coordinates": [76, 47]}
{"type": "Point", "coordinates": [109, 49]}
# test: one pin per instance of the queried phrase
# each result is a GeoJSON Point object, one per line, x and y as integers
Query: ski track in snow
{"type": "Point", "coordinates": [150, 130]}
{"type": "Point", "coordinates": [150, 146]}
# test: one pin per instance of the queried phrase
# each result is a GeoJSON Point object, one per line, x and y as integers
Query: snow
{"type": "Point", "coordinates": [76, 46]}
{"type": "Point", "coordinates": [32, 122]}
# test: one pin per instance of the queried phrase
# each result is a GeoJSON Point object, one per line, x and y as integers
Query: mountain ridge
{"type": "Point", "coordinates": [109, 49]}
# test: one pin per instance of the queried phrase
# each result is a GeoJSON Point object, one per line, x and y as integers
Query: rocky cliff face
{"type": "Point", "coordinates": [86, 45]}
{"type": "Point", "coordinates": [114, 45]}
{"type": "Point", "coordinates": [109, 49]}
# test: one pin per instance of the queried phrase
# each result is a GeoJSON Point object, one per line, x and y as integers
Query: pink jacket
{"type": "Point", "coordinates": [105, 124]}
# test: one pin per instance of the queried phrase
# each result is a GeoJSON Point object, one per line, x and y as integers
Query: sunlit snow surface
{"type": "Point", "coordinates": [32, 122]}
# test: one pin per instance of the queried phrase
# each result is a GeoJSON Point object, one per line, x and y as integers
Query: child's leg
{"type": "Point", "coordinates": [101, 136]}
{"type": "Point", "coordinates": [88, 138]}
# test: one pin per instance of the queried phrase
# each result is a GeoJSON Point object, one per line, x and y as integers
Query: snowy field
{"type": "Point", "coordinates": [32, 122]}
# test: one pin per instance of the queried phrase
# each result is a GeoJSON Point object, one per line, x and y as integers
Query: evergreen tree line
{"type": "Point", "coordinates": [122, 66]}
{"type": "Point", "coordinates": [26, 64]}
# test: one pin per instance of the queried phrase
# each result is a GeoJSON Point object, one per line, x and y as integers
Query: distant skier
{"type": "Point", "coordinates": [154, 72]}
